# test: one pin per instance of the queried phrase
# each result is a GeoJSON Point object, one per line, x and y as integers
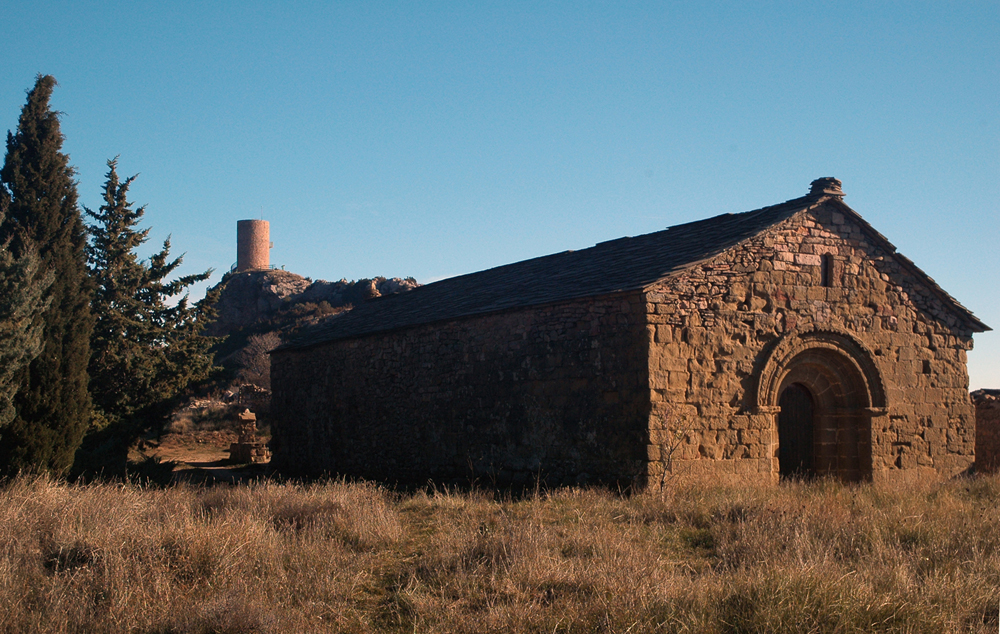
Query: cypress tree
{"type": "Point", "coordinates": [22, 298]}
{"type": "Point", "coordinates": [52, 402]}
{"type": "Point", "coordinates": [145, 350]}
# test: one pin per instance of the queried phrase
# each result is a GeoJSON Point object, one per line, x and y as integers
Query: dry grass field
{"type": "Point", "coordinates": [343, 557]}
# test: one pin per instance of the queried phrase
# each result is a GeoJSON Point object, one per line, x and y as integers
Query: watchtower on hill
{"type": "Point", "coordinates": [253, 245]}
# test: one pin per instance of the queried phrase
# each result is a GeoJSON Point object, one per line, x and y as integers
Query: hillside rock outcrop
{"type": "Point", "coordinates": [252, 297]}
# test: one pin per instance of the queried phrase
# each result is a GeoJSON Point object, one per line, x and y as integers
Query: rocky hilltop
{"type": "Point", "coordinates": [258, 297]}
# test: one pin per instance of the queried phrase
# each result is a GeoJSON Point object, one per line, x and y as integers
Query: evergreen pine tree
{"type": "Point", "coordinates": [52, 401]}
{"type": "Point", "coordinates": [145, 351]}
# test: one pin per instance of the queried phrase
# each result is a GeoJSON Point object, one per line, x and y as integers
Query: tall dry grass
{"type": "Point", "coordinates": [343, 557]}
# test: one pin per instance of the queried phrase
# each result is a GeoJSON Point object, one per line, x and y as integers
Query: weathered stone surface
{"type": "Point", "coordinates": [987, 403]}
{"type": "Point", "coordinates": [517, 395]}
{"type": "Point", "coordinates": [248, 448]}
{"type": "Point", "coordinates": [872, 311]}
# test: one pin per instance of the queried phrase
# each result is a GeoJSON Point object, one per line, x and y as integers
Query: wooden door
{"type": "Point", "coordinates": [795, 432]}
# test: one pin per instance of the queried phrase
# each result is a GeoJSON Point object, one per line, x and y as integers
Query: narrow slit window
{"type": "Point", "coordinates": [826, 270]}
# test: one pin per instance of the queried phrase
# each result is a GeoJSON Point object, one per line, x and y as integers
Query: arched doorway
{"type": "Point", "coordinates": [823, 389]}
{"type": "Point", "coordinates": [795, 432]}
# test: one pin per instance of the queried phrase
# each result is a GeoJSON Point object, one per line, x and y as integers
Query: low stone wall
{"type": "Point", "coordinates": [987, 404]}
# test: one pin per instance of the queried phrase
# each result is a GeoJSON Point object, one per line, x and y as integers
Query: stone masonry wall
{"type": "Point", "coordinates": [987, 404]}
{"type": "Point", "coordinates": [711, 331]}
{"type": "Point", "coordinates": [557, 392]}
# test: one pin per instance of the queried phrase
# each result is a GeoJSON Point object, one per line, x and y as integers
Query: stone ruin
{"type": "Point", "coordinates": [987, 404]}
{"type": "Point", "coordinates": [248, 448]}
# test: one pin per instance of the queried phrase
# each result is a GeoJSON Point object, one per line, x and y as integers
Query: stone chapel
{"type": "Point", "coordinates": [789, 341]}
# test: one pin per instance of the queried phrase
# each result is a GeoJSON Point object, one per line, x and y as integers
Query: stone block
{"type": "Point", "coordinates": [664, 334]}
{"type": "Point", "coordinates": [746, 466]}
{"type": "Point", "coordinates": [739, 422]}
{"type": "Point", "coordinates": [816, 293]}
{"type": "Point", "coordinates": [679, 380]}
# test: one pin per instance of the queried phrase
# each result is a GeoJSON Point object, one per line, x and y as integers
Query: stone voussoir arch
{"type": "Point", "coordinates": [830, 342]}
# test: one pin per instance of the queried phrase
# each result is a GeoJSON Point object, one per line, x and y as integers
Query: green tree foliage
{"type": "Point", "coordinates": [146, 348]}
{"type": "Point", "coordinates": [22, 298]}
{"type": "Point", "coordinates": [52, 402]}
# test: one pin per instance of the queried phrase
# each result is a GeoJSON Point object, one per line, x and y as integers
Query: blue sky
{"type": "Point", "coordinates": [438, 138]}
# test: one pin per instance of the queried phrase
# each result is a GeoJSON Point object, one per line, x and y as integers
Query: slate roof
{"type": "Point", "coordinates": [616, 266]}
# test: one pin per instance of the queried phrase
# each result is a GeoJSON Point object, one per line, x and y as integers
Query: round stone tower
{"type": "Point", "coordinates": [253, 245]}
